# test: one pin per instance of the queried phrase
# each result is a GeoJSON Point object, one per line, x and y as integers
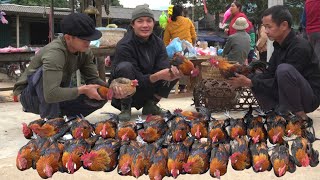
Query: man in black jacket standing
{"type": "Point", "coordinates": [292, 80]}
{"type": "Point", "coordinates": [142, 55]}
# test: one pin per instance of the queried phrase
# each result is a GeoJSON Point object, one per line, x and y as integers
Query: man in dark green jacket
{"type": "Point", "coordinates": [45, 85]}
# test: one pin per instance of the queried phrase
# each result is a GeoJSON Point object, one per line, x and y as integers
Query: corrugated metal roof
{"type": "Point", "coordinates": [115, 12]}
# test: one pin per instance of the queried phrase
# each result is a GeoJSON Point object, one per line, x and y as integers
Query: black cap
{"type": "Point", "coordinates": [81, 26]}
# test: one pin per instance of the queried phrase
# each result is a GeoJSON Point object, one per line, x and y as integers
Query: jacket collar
{"type": "Point", "coordinates": [140, 40]}
{"type": "Point", "coordinates": [290, 37]}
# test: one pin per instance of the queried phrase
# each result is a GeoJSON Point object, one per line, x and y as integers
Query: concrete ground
{"type": "Point", "coordinates": [11, 139]}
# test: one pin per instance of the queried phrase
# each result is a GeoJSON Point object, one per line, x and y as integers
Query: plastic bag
{"type": "Point", "coordinates": [188, 49]}
{"type": "Point", "coordinates": [174, 47]}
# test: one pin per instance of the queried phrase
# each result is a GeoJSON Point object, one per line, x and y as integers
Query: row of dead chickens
{"type": "Point", "coordinates": [170, 145]}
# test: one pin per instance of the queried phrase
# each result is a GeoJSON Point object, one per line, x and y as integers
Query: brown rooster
{"type": "Point", "coordinates": [106, 129]}
{"type": "Point", "coordinates": [217, 131]}
{"type": "Point", "coordinates": [303, 153]}
{"type": "Point", "coordinates": [128, 86]}
{"type": "Point", "coordinates": [126, 131]}
{"type": "Point", "coordinates": [150, 149]}
{"type": "Point", "coordinates": [158, 169]}
{"type": "Point", "coordinates": [219, 160]}
{"type": "Point", "coordinates": [177, 155]}
{"type": "Point", "coordinates": [276, 126]}
{"type": "Point", "coordinates": [260, 157]}
{"type": "Point", "coordinates": [256, 130]}
{"type": "Point", "coordinates": [50, 161]}
{"type": "Point", "coordinates": [184, 65]}
{"type": "Point", "coordinates": [154, 128]}
{"type": "Point", "coordinates": [73, 150]}
{"type": "Point", "coordinates": [240, 156]}
{"type": "Point", "coordinates": [294, 126]}
{"type": "Point", "coordinates": [281, 160]}
{"type": "Point", "coordinates": [51, 128]}
{"type": "Point", "coordinates": [30, 153]}
{"type": "Point", "coordinates": [179, 129]}
{"type": "Point", "coordinates": [229, 69]}
{"type": "Point", "coordinates": [127, 152]}
{"type": "Point", "coordinates": [27, 131]}
{"type": "Point", "coordinates": [139, 162]}
{"type": "Point", "coordinates": [198, 160]}
{"type": "Point", "coordinates": [103, 156]}
{"type": "Point", "coordinates": [81, 128]}
{"type": "Point", "coordinates": [237, 128]}
{"type": "Point", "coordinates": [199, 128]}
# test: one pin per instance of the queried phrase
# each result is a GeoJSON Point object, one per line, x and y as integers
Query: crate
{"type": "Point", "coordinates": [245, 100]}
{"type": "Point", "coordinates": [217, 95]}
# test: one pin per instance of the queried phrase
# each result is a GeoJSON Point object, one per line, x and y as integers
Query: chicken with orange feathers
{"type": "Point", "coordinates": [103, 156]}
{"type": "Point", "coordinates": [127, 152]}
{"type": "Point", "coordinates": [240, 154]}
{"type": "Point", "coordinates": [281, 160]}
{"type": "Point", "coordinates": [106, 129]}
{"type": "Point", "coordinates": [126, 130]}
{"type": "Point", "coordinates": [29, 154]}
{"type": "Point", "coordinates": [71, 157]}
{"type": "Point", "coordinates": [177, 155]}
{"type": "Point", "coordinates": [184, 65]}
{"type": "Point", "coordinates": [179, 129]}
{"type": "Point", "coordinates": [198, 160]}
{"type": "Point", "coordinates": [154, 128]}
{"type": "Point", "coordinates": [276, 126]}
{"type": "Point", "coordinates": [217, 131]}
{"type": "Point", "coordinates": [229, 69]}
{"type": "Point", "coordinates": [260, 157]}
{"type": "Point", "coordinates": [158, 169]}
{"type": "Point", "coordinates": [81, 128]}
{"type": "Point", "coordinates": [303, 153]}
{"type": "Point", "coordinates": [26, 129]}
{"type": "Point", "coordinates": [256, 130]}
{"type": "Point", "coordinates": [52, 128]}
{"type": "Point", "coordinates": [50, 160]}
{"type": "Point", "coordinates": [219, 160]}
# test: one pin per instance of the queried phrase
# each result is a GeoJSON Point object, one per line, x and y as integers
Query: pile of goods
{"type": "Point", "coordinates": [182, 142]}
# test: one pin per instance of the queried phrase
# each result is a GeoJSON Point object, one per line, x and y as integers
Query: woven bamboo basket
{"type": "Point", "coordinates": [210, 72]}
{"type": "Point", "coordinates": [111, 36]}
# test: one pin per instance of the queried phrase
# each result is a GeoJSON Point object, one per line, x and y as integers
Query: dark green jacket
{"type": "Point", "coordinates": [58, 66]}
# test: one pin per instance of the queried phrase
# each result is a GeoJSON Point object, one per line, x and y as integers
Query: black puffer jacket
{"type": "Point", "coordinates": [147, 57]}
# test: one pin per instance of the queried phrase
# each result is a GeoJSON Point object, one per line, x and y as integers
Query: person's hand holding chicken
{"type": "Point", "coordinates": [239, 81]}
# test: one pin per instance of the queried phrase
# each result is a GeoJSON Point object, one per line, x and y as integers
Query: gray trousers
{"type": "Point", "coordinates": [293, 92]}
{"type": "Point", "coordinates": [32, 100]}
{"type": "Point", "coordinates": [143, 94]}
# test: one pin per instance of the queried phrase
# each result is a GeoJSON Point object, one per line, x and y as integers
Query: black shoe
{"type": "Point", "coordinates": [125, 114]}
{"type": "Point", "coordinates": [151, 108]}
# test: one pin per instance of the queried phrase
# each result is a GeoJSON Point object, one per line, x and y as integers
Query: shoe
{"type": "Point", "coordinates": [125, 114]}
{"type": "Point", "coordinates": [151, 108]}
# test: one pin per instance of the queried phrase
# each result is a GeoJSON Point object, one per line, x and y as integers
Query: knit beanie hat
{"type": "Point", "coordinates": [142, 11]}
